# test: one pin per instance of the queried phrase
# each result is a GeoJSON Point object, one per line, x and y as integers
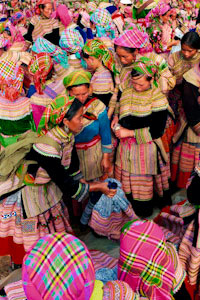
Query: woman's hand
{"type": "Point", "coordinates": [124, 133]}
{"type": "Point", "coordinates": [103, 187]}
{"type": "Point", "coordinates": [114, 122]}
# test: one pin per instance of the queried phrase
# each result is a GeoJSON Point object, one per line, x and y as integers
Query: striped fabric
{"type": "Point", "coordinates": [102, 82]}
{"type": "Point", "coordinates": [145, 263]}
{"type": "Point", "coordinates": [118, 290]}
{"type": "Point", "coordinates": [102, 260]}
{"type": "Point", "coordinates": [142, 104]}
{"type": "Point", "coordinates": [71, 40]}
{"type": "Point", "coordinates": [15, 291]}
{"type": "Point", "coordinates": [58, 267]}
{"type": "Point", "coordinates": [42, 26]}
{"type": "Point", "coordinates": [178, 65]}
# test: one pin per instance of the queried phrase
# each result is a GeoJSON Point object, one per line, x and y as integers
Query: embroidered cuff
{"type": "Point", "coordinates": [82, 192]}
{"type": "Point", "coordinates": [106, 149]}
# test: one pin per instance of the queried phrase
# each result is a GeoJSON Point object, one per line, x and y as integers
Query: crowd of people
{"type": "Point", "coordinates": [99, 126]}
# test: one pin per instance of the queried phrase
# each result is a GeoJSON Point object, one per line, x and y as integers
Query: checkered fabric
{"type": "Point", "coordinates": [104, 23]}
{"type": "Point", "coordinates": [145, 263]}
{"type": "Point", "coordinates": [71, 40]}
{"type": "Point", "coordinates": [54, 113]}
{"type": "Point", "coordinates": [59, 266]}
{"type": "Point", "coordinates": [39, 67]}
{"type": "Point", "coordinates": [11, 79]}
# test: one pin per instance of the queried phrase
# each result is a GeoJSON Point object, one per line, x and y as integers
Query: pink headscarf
{"type": "Point", "coordinates": [63, 14]}
{"type": "Point", "coordinates": [161, 9]}
{"type": "Point", "coordinates": [15, 34]}
{"type": "Point", "coordinates": [134, 38]}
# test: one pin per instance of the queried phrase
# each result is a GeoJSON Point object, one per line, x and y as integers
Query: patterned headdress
{"type": "Point", "coordinates": [98, 49]}
{"type": "Point", "coordinates": [11, 79]}
{"type": "Point", "coordinates": [134, 38]}
{"type": "Point", "coordinates": [39, 67]}
{"type": "Point", "coordinates": [161, 9]}
{"type": "Point", "coordinates": [104, 24]}
{"type": "Point", "coordinates": [147, 67]}
{"type": "Point", "coordinates": [91, 7]}
{"type": "Point", "coordinates": [16, 18]}
{"type": "Point", "coordinates": [71, 40]}
{"type": "Point", "coordinates": [145, 263]}
{"type": "Point", "coordinates": [54, 113]}
{"type": "Point", "coordinates": [77, 78]}
{"type": "Point", "coordinates": [40, 2]}
{"type": "Point", "coordinates": [59, 266]}
{"type": "Point", "coordinates": [58, 55]}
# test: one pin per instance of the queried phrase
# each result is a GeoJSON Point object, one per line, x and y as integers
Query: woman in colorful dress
{"type": "Point", "coordinates": [100, 62]}
{"type": "Point", "coordinates": [102, 22]}
{"type": "Point", "coordinates": [42, 25]}
{"type": "Point", "coordinates": [142, 164]}
{"type": "Point", "coordinates": [94, 140]}
{"type": "Point", "coordinates": [186, 152]}
{"type": "Point", "coordinates": [32, 204]}
{"type": "Point", "coordinates": [179, 63]}
{"type": "Point", "coordinates": [129, 47]}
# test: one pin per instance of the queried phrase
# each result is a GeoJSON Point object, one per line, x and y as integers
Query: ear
{"type": "Point", "coordinates": [66, 122]}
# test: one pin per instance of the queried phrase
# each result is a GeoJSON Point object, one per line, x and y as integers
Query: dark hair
{"type": "Point", "coordinates": [42, 6]}
{"type": "Point", "coordinates": [74, 108]}
{"type": "Point", "coordinates": [51, 73]}
{"type": "Point", "coordinates": [7, 30]}
{"type": "Point", "coordinates": [129, 50]}
{"type": "Point", "coordinates": [86, 84]}
{"type": "Point", "coordinates": [191, 39]}
{"type": "Point", "coordinates": [84, 55]}
{"type": "Point", "coordinates": [135, 73]}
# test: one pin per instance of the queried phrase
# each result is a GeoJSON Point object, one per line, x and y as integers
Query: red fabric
{"type": "Point", "coordinates": [16, 251]}
{"type": "Point", "coordinates": [183, 179]}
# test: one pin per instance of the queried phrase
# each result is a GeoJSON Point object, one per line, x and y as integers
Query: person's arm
{"type": "Point", "coordinates": [28, 35]}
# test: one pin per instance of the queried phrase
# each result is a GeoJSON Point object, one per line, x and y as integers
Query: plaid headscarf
{"type": "Point", "coordinates": [91, 7]}
{"type": "Point", "coordinates": [16, 18]}
{"type": "Point", "coordinates": [104, 23]}
{"type": "Point", "coordinates": [146, 66]}
{"type": "Point", "coordinates": [134, 38]}
{"type": "Point", "coordinates": [145, 263]}
{"type": "Point", "coordinates": [77, 78]}
{"type": "Point", "coordinates": [161, 9]}
{"type": "Point", "coordinates": [55, 112]}
{"type": "Point", "coordinates": [59, 266]}
{"type": "Point", "coordinates": [71, 41]}
{"type": "Point", "coordinates": [11, 79]}
{"type": "Point", "coordinates": [39, 67]}
{"type": "Point", "coordinates": [58, 55]}
{"type": "Point", "coordinates": [98, 49]}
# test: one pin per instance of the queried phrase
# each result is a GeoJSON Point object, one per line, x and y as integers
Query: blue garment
{"type": "Point", "coordinates": [101, 127]}
{"type": "Point", "coordinates": [31, 91]}
{"type": "Point", "coordinates": [106, 274]}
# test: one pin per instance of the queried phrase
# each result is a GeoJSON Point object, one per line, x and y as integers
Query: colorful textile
{"type": "Point", "coordinates": [98, 49]}
{"type": "Point", "coordinates": [16, 36]}
{"type": "Point", "coordinates": [16, 18]}
{"type": "Point", "coordinates": [42, 26]}
{"type": "Point", "coordinates": [11, 79]}
{"type": "Point", "coordinates": [55, 112]}
{"type": "Point", "coordinates": [134, 38]}
{"type": "Point", "coordinates": [63, 14]}
{"type": "Point", "coordinates": [91, 7]}
{"type": "Point", "coordinates": [58, 55]}
{"type": "Point", "coordinates": [161, 9]}
{"type": "Point", "coordinates": [147, 67]}
{"type": "Point", "coordinates": [39, 68]}
{"type": "Point", "coordinates": [118, 290]}
{"type": "Point", "coordinates": [58, 266]}
{"type": "Point", "coordinates": [110, 214]}
{"type": "Point", "coordinates": [77, 78]}
{"type": "Point", "coordinates": [71, 41]}
{"type": "Point", "coordinates": [104, 24]}
{"type": "Point", "coordinates": [145, 263]}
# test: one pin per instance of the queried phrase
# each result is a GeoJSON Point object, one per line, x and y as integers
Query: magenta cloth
{"type": "Point", "coordinates": [59, 266]}
{"type": "Point", "coordinates": [37, 111]}
{"type": "Point", "coordinates": [134, 38]}
{"type": "Point", "coordinates": [161, 9]}
{"type": "Point", "coordinates": [145, 263]}
{"type": "Point", "coordinates": [63, 14]}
